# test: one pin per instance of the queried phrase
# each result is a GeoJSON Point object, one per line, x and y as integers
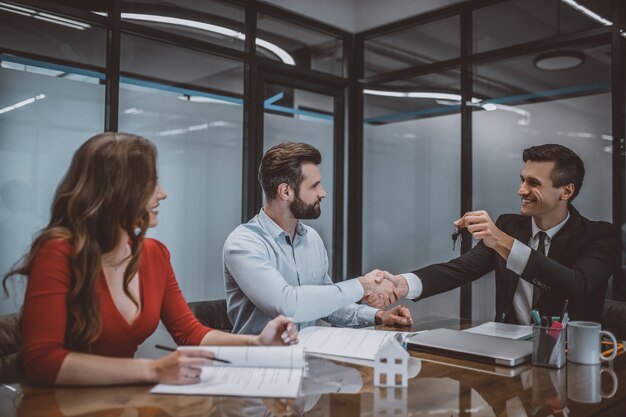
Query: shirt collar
{"type": "Point", "coordinates": [551, 231]}
{"type": "Point", "coordinates": [274, 229]}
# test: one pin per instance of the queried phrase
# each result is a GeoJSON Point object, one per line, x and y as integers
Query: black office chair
{"type": "Point", "coordinates": [212, 314]}
{"type": "Point", "coordinates": [614, 318]}
{"type": "Point", "coordinates": [11, 369]}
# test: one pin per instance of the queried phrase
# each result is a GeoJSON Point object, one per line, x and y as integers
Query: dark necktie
{"type": "Point", "coordinates": [541, 248]}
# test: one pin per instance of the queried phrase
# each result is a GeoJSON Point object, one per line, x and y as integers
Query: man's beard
{"type": "Point", "coordinates": [302, 210]}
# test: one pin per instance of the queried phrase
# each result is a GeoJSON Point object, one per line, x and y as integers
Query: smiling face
{"type": "Point", "coordinates": [307, 201]}
{"type": "Point", "coordinates": [153, 204]}
{"type": "Point", "coordinates": [540, 198]}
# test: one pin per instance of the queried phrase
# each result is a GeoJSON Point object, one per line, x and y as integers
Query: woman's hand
{"type": "Point", "coordinates": [181, 367]}
{"type": "Point", "coordinates": [278, 332]}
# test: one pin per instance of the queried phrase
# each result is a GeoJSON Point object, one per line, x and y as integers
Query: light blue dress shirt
{"type": "Point", "coordinates": [266, 274]}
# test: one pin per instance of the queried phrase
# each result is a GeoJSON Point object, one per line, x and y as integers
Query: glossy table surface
{"type": "Point", "coordinates": [441, 387]}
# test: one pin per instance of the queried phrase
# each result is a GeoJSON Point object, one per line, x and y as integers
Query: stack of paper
{"type": "Point", "coordinates": [342, 342]}
{"type": "Point", "coordinates": [269, 371]}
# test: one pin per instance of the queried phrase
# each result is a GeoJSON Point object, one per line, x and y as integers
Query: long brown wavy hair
{"type": "Point", "coordinates": [104, 193]}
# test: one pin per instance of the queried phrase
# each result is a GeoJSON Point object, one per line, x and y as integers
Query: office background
{"type": "Point", "coordinates": [418, 118]}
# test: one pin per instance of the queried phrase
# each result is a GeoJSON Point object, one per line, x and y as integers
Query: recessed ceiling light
{"type": "Point", "coordinates": [559, 60]}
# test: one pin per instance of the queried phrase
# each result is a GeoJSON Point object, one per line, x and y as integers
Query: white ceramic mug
{"type": "Point", "coordinates": [583, 343]}
{"type": "Point", "coordinates": [584, 383]}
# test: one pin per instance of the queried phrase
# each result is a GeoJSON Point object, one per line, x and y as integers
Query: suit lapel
{"type": "Point", "coordinates": [559, 241]}
{"type": "Point", "coordinates": [523, 230]}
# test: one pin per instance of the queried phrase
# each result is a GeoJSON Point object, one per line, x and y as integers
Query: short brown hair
{"type": "Point", "coordinates": [568, 167]}
{"type": "Point", "coordinates": [283, 164]}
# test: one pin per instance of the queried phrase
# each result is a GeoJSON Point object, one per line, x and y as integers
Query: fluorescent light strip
{"type": "Point", "coordinates": [281, 53]}
{"type": "Point", "coordinates": [418, 94]}
{"type": "Point", "coordinates": [452, 99]}
{"type": "Point", "coordinates": [62, 19]}
{"type": "Point", "coordinates": [23, 103]}
{"type": "Point", "coordinates": [11, 6]}
{"type": "Point", "coordinates": [588, 12]}
{"type": "Point", "coordinates": [58, 22]}
{"type": "Point", "coordinates": [184, 22]}
{"type": "Point", "coordinates": [74, 24]}
{"type": "Point", "coordinates": [15, 11]}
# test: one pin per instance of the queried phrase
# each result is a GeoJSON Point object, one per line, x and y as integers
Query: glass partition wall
{"type": "Point", "coordinates": [411, 183]}
{"type": "Point", "coordinates": [51, 99]}
{"type": "Point", "coordinates": [184, 75]}
{"type": "Point", "coordinates": [450, 100]}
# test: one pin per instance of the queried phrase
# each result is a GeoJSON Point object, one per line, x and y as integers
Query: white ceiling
{"type": "Point", "coordinates": [359, 15]}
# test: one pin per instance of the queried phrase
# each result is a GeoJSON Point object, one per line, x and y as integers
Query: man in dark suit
{"type": "Point", "coordinates": [559, 255]}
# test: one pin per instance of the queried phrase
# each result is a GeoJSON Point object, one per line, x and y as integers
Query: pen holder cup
{"type": "Point", "coordinates": [548, 346]}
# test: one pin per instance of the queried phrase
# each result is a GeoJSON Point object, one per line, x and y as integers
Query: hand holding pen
{"type": "Point", "coordinates": [180, 367]}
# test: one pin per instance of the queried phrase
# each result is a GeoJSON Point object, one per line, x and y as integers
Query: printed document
{"type": "Point", "coordinates": [343, 342]}
{"type": "Point", "coordinates": [268, 371]}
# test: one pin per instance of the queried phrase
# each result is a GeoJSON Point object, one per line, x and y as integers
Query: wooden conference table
{"type": "Point", "coordinates": [443, 387]}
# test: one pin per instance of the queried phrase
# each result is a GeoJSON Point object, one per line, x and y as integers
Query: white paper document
{"type": "Point", "coordinates": [343, 342]}
{"type": "Point", "coordinates": [508, 331]}
{"type": "Point", "coordinates": [269, 371]}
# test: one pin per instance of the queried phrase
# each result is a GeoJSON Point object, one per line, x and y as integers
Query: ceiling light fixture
{"type": "Point", "coordinates": [276, 50]}
{"type": "Point", "coordinates": [203, 99]}
{"type": "Point", "coordinates": [58, 22]}
{"type": "Point", "coordinates": [23, 103]}
{"type": "Point", "coordinates": [449, 99]}
{"type": "Point", "coordinates": [11, 7]}
{"type": "Point", "coordinates": [74, 24]}
{"type": "Point", "coordinates": [559, 60]}
{"type": "Point", "coordinates": [6, 9]}
{"type": "Point", "coordinates": [588, 12]}
{"type": "Point", "coordinates": [415, 94]}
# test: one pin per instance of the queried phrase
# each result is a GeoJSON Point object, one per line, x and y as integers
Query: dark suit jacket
{"type": "Point", "coordinates": [578, 266]}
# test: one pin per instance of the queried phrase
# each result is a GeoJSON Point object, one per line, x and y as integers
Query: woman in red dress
{"type": "Point", "coordinates": [97, 287]}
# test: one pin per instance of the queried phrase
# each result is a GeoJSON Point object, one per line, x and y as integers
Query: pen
{"type": "Point", "coordinates": [171, 349]}
{"type": "Point", "coordinates": [535, 315]}
{"type": "Point", "coordinates": [565, 307]}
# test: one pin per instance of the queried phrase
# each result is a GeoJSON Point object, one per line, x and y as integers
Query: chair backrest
{"type": "Point", "coordinates": [11, 369]}
{"type": "Point", "coordinates": [614, 318]}
{"type": "Point", "coordinates": [212, 314]}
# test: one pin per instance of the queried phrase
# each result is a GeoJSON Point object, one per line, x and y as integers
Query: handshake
{"type": "Point", "coordinates": [382, 288]}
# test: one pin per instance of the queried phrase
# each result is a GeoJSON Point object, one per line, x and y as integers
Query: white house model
{"type": "Point", "coordinates": [391, 365]}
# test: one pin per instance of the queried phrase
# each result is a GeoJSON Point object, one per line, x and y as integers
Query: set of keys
{"type": "Point", "coordinates": [456, 235]}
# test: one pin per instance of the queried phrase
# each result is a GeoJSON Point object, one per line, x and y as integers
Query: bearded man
{"type": "Point", "coordinates": [275, 264]}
